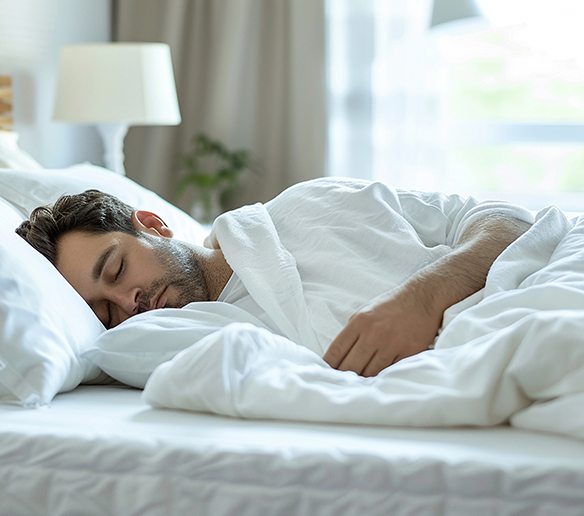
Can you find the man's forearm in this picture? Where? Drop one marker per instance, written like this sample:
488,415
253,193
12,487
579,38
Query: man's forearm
464,271
405,321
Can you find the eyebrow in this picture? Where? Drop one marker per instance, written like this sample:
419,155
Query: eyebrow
100,264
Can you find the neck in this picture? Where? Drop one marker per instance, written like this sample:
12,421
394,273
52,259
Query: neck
215,269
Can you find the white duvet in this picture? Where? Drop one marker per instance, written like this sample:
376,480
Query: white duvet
513,352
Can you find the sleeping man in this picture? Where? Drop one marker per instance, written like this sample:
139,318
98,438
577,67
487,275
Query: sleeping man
356,271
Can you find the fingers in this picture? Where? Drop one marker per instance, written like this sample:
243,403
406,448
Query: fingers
350,351
357,358
363,346
340,347
372,367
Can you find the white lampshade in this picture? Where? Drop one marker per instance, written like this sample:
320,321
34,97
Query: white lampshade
128,83
115,85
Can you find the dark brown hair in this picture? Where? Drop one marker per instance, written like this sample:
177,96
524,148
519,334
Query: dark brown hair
91,211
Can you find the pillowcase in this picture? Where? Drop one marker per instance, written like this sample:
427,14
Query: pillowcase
12,156
11,218
44,324
27,189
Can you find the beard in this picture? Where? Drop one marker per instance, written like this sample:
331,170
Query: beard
183,273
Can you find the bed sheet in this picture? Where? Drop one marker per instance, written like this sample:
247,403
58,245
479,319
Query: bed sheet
102,450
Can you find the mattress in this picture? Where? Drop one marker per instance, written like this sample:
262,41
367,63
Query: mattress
102,450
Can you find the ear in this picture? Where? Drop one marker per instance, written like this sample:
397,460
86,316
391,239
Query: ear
150,223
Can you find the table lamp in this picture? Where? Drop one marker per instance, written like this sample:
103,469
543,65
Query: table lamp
115,85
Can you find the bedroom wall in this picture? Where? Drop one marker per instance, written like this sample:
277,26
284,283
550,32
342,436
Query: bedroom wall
31,34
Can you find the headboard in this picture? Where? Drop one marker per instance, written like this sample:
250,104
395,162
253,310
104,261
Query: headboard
5,103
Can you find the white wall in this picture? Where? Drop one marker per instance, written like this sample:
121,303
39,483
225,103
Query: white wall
31,34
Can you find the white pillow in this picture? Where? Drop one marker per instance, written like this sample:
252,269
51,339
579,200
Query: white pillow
44,324
11,218
27,189
12,156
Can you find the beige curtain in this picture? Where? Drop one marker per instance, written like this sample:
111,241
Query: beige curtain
250,73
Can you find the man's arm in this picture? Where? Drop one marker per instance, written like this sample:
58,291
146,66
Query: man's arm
406,320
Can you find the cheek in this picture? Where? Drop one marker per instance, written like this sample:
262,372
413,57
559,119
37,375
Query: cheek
147,263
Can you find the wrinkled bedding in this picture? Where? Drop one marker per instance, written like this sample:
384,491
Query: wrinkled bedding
511,353
517,356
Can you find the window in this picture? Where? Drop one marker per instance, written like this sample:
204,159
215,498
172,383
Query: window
488,109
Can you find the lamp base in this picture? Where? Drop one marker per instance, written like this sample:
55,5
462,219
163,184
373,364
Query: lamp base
112,136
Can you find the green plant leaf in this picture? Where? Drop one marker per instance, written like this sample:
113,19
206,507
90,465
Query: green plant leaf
210,165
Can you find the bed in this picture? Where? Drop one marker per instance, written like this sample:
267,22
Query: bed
73,440
102,450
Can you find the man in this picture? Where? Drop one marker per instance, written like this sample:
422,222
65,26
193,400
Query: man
362,271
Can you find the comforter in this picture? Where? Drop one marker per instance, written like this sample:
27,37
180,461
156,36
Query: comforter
512,353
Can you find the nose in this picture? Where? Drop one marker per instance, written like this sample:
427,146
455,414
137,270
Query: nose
126,301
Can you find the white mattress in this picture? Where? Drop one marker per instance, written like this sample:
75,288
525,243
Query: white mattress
101,450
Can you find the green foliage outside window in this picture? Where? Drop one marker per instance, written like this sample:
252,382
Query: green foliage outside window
498,76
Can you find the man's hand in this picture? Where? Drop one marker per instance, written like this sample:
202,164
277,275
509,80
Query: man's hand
406,321
389,328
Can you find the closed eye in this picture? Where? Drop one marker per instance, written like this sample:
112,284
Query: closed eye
120,270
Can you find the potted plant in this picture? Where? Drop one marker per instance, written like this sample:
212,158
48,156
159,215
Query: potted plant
211,170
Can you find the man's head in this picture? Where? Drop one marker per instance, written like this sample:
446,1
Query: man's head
121,261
